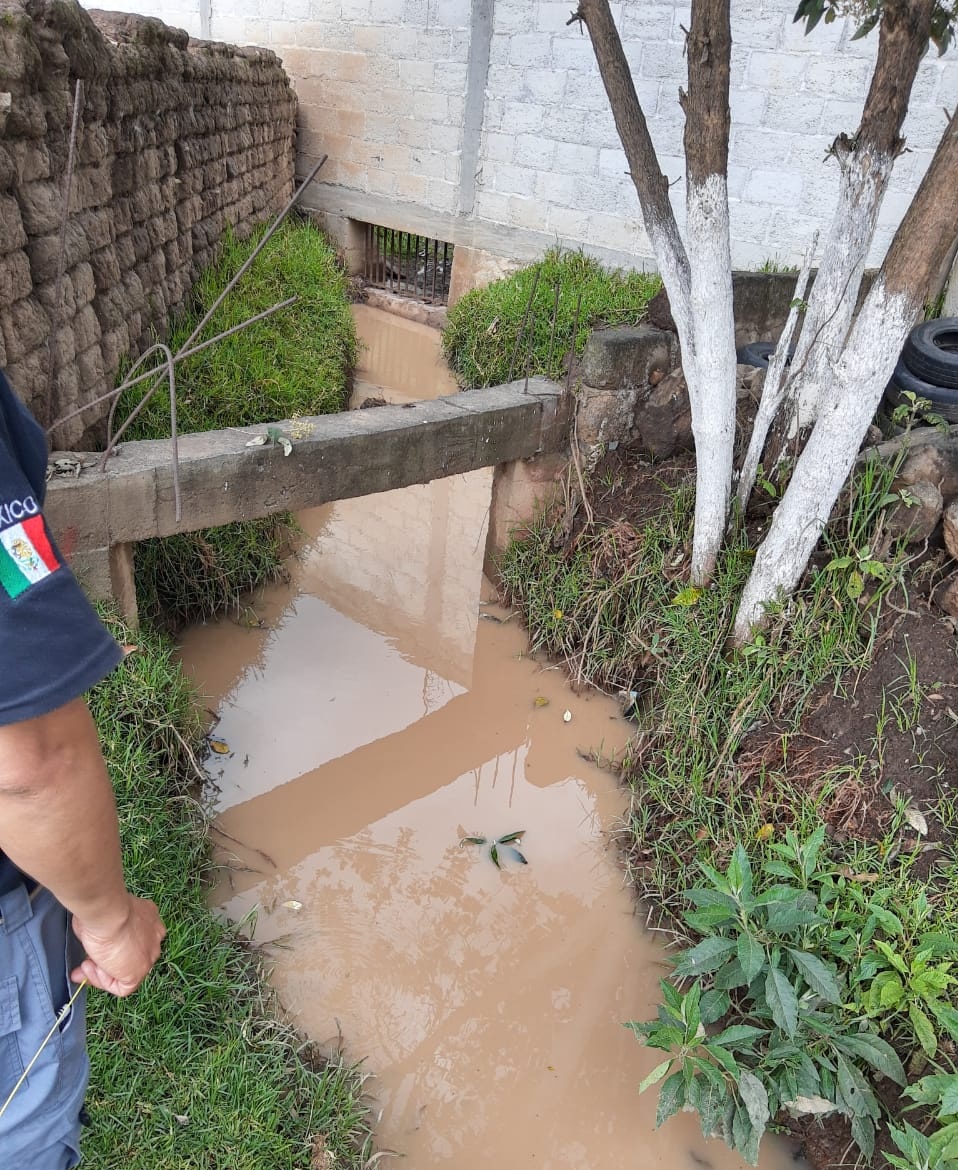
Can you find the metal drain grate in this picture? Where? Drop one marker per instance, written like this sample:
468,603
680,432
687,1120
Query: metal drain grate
407,264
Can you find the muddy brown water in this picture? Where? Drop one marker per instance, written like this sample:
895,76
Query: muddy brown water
379,708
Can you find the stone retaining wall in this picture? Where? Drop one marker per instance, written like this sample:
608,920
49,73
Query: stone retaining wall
176,141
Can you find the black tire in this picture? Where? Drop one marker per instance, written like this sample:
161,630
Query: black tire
944,400
931,352
758,354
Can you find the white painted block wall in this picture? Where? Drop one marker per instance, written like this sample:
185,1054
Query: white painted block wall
383,88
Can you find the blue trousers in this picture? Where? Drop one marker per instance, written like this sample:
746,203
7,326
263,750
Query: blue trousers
40,1128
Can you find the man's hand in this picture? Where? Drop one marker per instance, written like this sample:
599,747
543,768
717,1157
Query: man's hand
121,956
58,824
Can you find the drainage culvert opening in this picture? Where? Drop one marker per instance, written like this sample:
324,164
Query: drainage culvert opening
407,264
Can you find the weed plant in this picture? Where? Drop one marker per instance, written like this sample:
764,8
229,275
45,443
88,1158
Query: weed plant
297,362
480,341
195,1071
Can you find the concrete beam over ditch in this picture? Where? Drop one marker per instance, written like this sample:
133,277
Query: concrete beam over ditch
334,457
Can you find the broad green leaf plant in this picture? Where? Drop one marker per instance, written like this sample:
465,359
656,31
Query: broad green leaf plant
789,1002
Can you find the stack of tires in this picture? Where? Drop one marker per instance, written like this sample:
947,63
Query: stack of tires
928,367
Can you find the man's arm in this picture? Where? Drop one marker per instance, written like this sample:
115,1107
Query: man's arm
58,823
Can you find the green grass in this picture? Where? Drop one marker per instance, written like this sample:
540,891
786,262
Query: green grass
297,362
616,607
715,764
194,1072
480,339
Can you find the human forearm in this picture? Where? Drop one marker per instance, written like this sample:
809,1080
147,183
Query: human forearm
57,813
58,823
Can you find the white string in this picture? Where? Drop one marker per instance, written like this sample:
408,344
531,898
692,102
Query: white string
64,1011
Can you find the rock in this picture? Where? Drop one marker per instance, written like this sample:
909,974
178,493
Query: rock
950,527
604,415
947,597
625,357
658,312
749,382
916,518
663,418
936,462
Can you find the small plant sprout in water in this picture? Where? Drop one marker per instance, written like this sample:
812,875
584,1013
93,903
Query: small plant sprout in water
499,847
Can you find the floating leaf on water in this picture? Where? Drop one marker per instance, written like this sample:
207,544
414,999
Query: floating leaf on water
687,597
566,716
494,854
517,855
510,837
258,441
293,905
917,821
220,746
541,701
472,841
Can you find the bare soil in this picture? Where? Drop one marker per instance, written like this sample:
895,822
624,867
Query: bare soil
915,757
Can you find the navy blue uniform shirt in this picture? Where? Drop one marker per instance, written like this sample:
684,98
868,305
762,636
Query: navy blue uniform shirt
53,647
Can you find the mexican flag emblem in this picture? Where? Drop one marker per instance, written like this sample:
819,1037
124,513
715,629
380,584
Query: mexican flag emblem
26,556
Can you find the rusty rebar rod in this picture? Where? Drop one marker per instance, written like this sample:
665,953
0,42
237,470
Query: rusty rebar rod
525,318
112,440
177,358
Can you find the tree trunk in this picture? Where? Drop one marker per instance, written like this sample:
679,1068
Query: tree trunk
866,162
774,386
889,312
652,187
711,378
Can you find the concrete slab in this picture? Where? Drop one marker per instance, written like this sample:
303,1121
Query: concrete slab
334,457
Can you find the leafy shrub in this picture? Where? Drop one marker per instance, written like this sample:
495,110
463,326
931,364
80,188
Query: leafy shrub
792,964
485,325
939,1149
298,361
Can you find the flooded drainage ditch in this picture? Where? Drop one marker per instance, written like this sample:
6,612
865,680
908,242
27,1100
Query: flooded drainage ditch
378,709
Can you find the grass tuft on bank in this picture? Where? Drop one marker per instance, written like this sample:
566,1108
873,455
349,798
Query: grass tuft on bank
297,362
196,1071
480,341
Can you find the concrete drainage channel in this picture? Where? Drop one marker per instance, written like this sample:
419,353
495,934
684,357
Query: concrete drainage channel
378,710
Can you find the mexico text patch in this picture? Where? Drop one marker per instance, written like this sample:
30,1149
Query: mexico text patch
26,556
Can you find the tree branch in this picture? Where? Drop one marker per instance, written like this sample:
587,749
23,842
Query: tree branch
651,185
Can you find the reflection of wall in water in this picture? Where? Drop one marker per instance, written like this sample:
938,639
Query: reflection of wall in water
409,564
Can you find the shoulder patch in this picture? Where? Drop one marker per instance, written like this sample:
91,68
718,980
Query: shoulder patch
26,556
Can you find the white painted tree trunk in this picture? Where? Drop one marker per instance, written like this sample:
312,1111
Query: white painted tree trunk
864,179
710,369
774,387
823,467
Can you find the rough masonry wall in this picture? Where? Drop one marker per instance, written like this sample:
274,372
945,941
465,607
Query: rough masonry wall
175,142
386,87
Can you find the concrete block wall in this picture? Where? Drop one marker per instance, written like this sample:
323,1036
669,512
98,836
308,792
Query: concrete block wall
486,124
556,161
175,142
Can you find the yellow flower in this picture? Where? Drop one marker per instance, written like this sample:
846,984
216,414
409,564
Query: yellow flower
765,833
557,614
